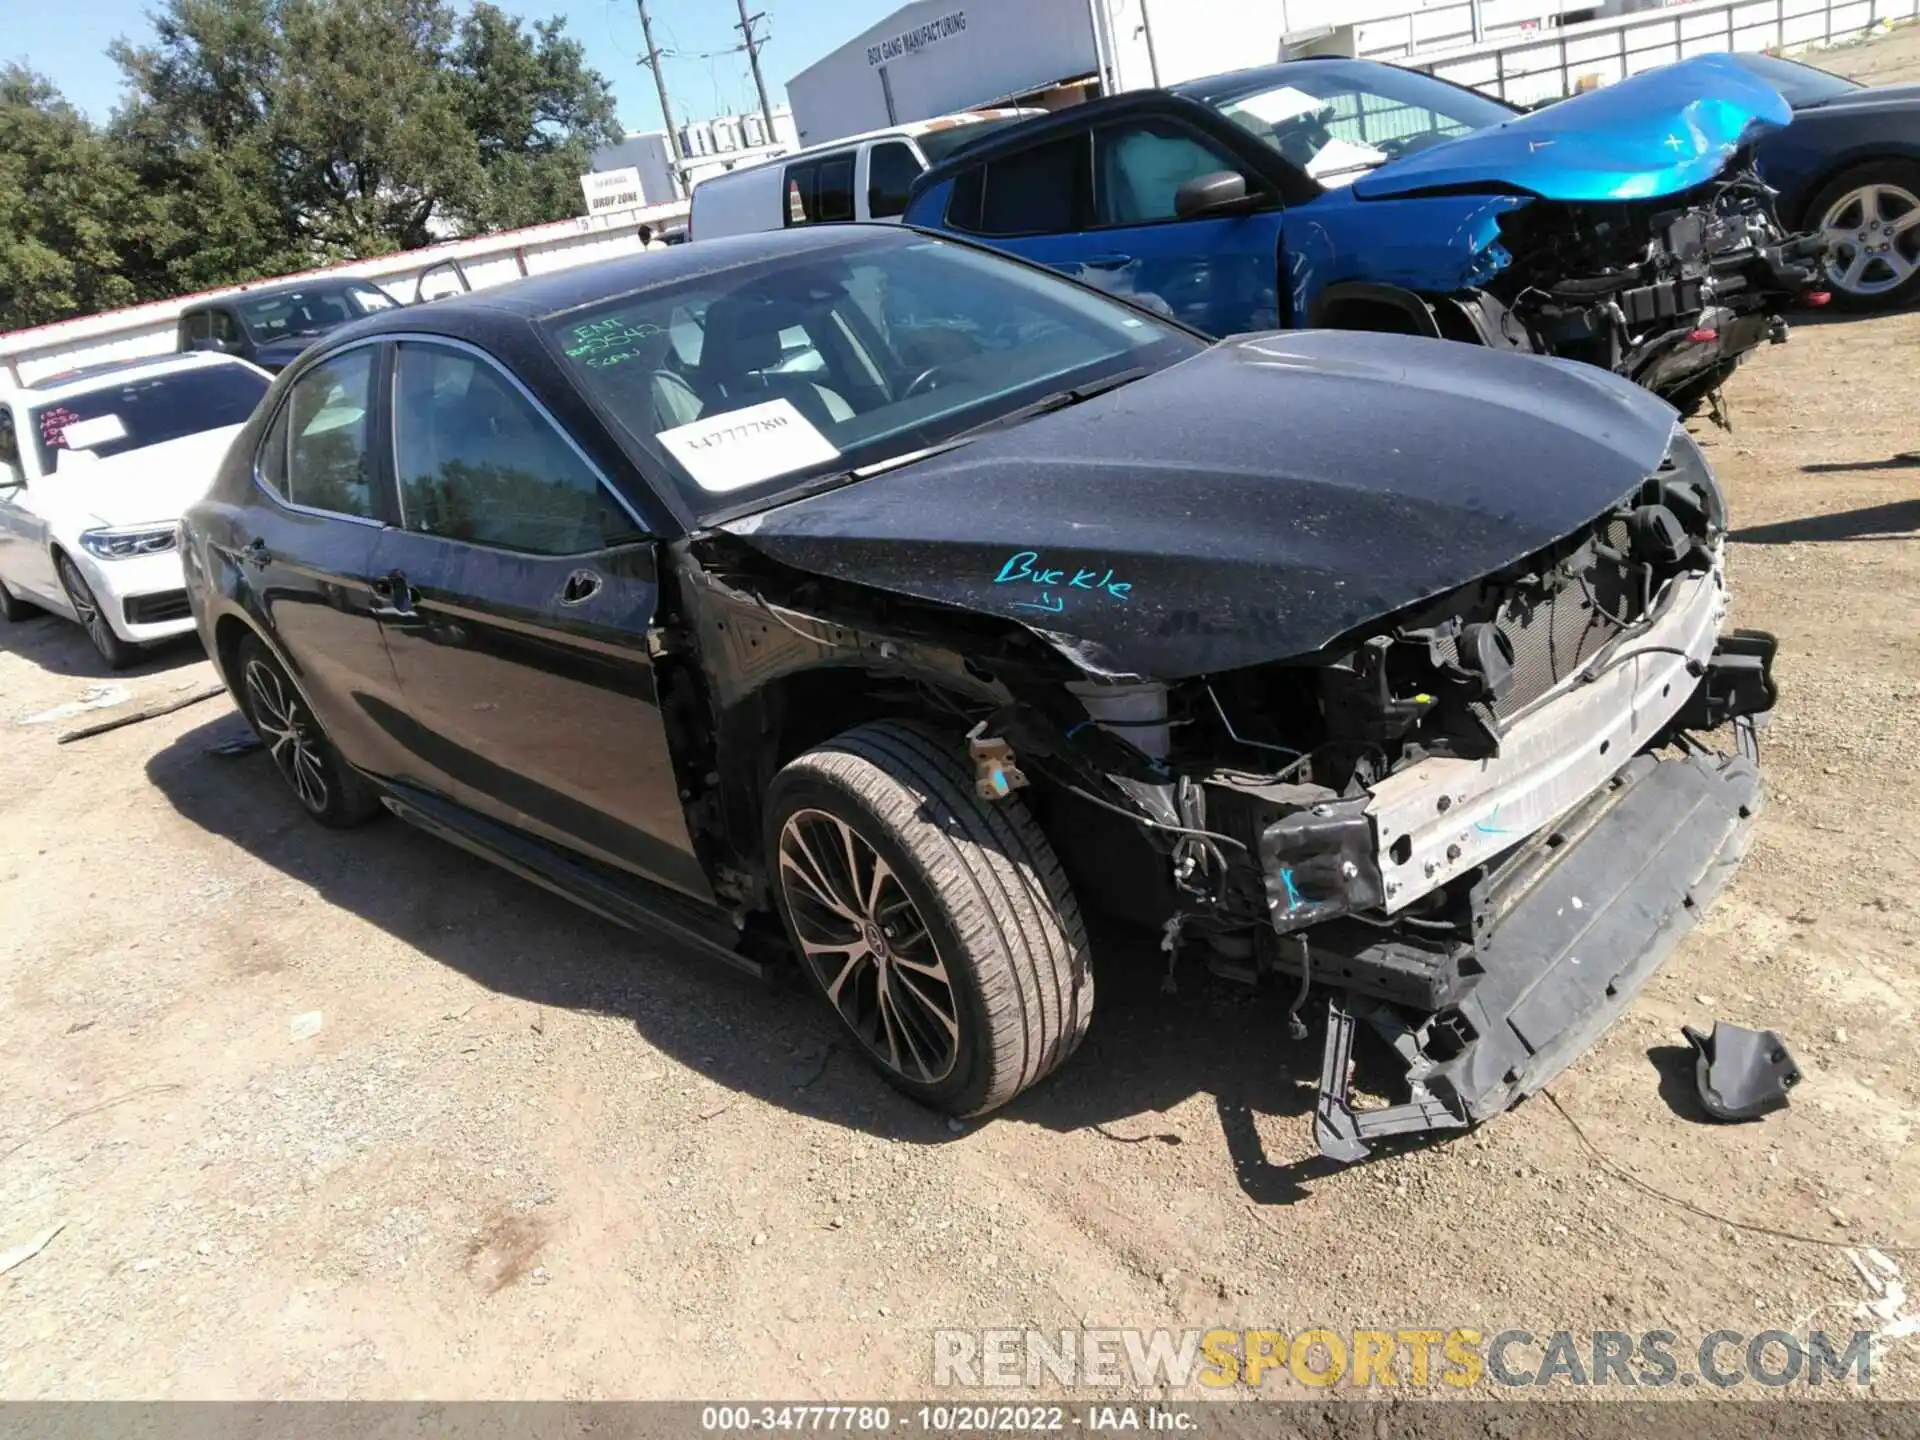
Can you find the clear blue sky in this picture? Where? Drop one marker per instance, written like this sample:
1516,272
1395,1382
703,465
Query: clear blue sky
72,50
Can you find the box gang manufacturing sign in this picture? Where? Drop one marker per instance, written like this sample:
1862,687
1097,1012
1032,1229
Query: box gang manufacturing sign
909,42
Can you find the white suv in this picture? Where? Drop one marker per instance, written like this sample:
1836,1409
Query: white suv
95,468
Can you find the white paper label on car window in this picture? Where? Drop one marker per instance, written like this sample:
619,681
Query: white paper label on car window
1341,162
101,430
1273,106
743,447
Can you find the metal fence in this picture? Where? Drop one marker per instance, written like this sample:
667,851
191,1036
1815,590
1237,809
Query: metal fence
1598,52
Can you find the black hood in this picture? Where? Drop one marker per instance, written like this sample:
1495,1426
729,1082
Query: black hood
1250,504
1872,97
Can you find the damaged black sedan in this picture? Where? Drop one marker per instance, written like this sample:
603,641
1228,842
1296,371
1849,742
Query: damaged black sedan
872,601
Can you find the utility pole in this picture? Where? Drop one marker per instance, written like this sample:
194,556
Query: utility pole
652,62
745,27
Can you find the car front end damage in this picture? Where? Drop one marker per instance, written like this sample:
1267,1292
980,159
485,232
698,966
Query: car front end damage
1415,712
1671,292
1481,825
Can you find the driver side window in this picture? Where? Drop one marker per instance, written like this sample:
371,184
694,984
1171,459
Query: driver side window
1139,168
476,461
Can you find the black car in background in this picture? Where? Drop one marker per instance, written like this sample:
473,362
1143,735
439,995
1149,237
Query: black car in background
1849,166
916,602
273,324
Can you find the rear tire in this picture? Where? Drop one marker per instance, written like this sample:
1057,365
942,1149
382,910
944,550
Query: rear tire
1852,204
939,926
119,654
328,789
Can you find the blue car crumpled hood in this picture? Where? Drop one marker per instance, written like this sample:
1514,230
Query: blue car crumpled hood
1656,133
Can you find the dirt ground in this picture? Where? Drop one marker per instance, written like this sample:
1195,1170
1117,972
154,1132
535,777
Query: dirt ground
527,1154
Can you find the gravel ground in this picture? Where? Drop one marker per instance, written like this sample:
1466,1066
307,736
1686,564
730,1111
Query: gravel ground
526,1154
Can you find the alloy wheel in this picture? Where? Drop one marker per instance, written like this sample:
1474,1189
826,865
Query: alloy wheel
866,943
1873,239
281,723
87,608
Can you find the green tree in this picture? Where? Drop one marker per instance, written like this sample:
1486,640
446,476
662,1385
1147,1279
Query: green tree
295,132
69,206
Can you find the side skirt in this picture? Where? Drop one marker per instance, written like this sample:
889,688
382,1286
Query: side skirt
625,900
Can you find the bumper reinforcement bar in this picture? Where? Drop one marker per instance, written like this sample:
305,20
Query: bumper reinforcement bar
1639,864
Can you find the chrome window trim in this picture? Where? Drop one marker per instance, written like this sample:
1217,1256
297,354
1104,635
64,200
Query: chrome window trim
409,337
285,400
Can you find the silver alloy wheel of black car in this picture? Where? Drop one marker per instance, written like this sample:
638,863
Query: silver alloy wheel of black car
116,652
283,725
1873,239
868,946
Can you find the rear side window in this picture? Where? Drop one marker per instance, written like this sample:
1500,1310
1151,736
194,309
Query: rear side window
478,462
892,167
319,451
195,327
1042,191
820,191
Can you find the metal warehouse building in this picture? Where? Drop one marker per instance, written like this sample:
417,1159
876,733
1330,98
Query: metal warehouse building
936,56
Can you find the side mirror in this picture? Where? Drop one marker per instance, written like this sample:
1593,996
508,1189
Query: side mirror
1222,192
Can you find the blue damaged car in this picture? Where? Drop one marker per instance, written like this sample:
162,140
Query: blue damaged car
1625,227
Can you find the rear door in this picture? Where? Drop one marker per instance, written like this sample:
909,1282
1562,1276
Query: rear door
819,190
519,591
307,549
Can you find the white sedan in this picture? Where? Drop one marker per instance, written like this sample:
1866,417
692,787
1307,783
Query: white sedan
95,468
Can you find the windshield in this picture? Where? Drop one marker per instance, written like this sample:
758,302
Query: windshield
1801,85
1337,120
293,313
746,383
147,411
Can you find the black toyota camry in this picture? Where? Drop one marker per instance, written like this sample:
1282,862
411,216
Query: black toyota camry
860,600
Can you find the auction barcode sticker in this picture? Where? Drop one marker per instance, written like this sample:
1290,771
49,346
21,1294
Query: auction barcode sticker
743,447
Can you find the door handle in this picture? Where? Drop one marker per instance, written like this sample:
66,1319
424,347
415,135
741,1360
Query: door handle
581,586
1107,262
394,595
257,553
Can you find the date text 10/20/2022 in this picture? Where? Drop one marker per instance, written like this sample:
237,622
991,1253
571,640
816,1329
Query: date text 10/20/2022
962,1419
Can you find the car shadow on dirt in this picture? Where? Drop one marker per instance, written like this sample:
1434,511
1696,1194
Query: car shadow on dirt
1897,520
59,646
1146,1053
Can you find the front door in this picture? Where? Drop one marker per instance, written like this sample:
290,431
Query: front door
518,593
26,557
1218,274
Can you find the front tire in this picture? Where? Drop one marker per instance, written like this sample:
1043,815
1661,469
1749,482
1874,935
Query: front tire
12,608
118,653
939,926
1871,218
328,789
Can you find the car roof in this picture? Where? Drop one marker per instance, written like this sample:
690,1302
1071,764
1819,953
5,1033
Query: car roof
86,377
1074,117
287,287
